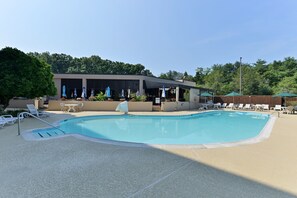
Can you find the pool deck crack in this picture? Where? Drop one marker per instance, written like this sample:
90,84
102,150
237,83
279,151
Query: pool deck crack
160,180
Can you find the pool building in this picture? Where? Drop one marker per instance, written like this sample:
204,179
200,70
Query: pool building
143,85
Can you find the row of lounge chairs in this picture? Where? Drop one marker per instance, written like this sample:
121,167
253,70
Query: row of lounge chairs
258,107
9,119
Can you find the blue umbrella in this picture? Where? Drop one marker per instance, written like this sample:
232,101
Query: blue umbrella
107,92
64,91
75,93
123,93
163,93
83,93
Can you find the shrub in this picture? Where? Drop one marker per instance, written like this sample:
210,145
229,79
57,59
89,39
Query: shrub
138,98
100,96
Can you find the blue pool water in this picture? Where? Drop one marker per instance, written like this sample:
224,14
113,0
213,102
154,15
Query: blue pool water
202,128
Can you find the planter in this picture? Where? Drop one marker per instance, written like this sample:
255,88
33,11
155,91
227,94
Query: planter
54,105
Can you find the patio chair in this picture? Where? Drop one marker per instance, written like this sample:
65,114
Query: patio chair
224,105
9,119
247,106
62,106
289,109
231,105
277,108
2,122
35,112
258,107
80,106
217,105
240,106
265,107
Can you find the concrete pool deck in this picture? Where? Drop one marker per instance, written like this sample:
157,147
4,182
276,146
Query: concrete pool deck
71,167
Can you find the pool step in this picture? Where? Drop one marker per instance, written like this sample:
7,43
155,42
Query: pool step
48,133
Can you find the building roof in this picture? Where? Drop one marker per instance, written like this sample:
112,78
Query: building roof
149,82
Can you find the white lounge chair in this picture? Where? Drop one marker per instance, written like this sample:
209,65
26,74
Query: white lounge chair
217,105
258,107
240,106
224,105
265,106
35,112
277,108
247,106
231,105
2,122
9,119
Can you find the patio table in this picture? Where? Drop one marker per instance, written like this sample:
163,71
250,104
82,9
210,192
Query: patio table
71,106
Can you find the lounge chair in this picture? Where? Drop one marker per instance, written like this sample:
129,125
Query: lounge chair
217,105
258,107
35,112
247,106
9,119
289,109
240,106
265,106
277,108
2,122
231,105
224,105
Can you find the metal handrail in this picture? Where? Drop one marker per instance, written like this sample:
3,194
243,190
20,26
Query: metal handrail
27,113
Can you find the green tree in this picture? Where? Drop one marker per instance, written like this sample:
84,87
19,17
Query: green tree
172,75
199,76
288,84
23,75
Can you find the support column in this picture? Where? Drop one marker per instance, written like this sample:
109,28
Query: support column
177,94
141,90
84,83
58,86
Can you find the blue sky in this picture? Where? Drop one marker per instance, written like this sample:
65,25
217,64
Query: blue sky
162,35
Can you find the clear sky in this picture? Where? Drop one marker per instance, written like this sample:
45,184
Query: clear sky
162,35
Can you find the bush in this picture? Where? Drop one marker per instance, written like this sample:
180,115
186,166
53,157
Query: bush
100,97
135,98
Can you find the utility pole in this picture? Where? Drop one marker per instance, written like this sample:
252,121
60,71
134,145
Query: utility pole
240,75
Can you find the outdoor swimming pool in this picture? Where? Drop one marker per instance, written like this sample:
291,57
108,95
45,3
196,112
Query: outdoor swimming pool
201,128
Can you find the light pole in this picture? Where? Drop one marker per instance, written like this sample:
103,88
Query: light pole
240,75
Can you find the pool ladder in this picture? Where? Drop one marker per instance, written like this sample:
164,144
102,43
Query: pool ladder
29,114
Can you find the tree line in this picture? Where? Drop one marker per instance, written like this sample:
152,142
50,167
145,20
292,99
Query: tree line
260,78
66,64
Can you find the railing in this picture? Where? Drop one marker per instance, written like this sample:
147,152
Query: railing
27,113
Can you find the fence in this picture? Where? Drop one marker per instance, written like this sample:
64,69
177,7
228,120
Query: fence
263,99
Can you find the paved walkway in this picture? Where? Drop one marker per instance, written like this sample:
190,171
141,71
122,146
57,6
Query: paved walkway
71,167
